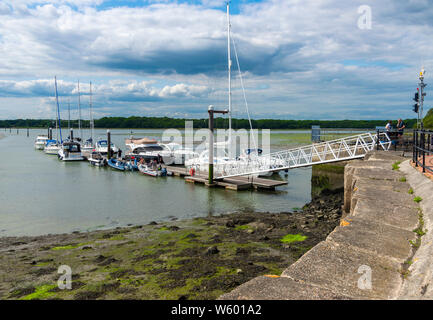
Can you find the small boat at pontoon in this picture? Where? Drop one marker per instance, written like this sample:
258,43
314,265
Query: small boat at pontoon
87,146
40,142
52,147
116,164
132,164
96,159
70,151
149,170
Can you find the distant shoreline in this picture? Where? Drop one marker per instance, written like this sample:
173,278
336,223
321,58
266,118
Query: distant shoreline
165,122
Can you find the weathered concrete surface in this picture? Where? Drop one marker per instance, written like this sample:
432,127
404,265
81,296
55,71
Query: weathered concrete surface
367,234
419,282
335,267
282,288
396,216
374,235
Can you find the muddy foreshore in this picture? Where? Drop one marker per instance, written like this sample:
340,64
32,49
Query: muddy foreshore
193,259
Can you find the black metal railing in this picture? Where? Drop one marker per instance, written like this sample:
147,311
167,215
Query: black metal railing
422,148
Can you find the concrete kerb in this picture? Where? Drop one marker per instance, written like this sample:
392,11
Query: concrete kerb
419,283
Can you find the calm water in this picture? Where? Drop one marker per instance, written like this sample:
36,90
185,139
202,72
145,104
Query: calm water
40,195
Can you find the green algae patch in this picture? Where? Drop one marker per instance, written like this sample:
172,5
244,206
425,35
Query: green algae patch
291,238
395,165
41,292
68,247
244,227
417,199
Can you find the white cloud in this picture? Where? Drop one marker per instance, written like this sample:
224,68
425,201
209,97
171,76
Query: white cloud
308,54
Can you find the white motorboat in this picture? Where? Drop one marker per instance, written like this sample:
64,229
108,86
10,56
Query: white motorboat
149,149
52,147
88,146
40,142
70,151
96,159
102,147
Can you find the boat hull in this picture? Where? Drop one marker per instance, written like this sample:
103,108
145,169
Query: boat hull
52,151
153,173
97,163
69,157
115,165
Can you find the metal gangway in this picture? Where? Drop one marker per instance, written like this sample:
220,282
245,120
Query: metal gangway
348,148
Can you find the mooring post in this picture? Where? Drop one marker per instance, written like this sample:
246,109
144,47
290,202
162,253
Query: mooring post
108,144
211,140
17,131
27,132
71,135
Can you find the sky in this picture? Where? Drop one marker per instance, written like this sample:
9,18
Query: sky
299,59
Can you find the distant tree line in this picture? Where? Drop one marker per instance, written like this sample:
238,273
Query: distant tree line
165,122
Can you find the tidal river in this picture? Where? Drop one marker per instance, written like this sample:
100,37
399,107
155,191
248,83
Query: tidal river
41,195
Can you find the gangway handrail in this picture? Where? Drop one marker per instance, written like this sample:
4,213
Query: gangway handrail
347,148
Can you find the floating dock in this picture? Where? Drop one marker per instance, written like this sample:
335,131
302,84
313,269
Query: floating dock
233,183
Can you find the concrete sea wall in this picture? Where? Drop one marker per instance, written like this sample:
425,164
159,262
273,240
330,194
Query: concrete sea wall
379,251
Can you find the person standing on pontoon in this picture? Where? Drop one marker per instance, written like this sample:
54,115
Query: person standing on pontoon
400,130
388,126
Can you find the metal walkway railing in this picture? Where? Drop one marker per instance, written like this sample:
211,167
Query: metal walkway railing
347,148
423,149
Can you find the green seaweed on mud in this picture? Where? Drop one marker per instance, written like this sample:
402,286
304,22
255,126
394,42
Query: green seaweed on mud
41,292
243,227
291,238
71,246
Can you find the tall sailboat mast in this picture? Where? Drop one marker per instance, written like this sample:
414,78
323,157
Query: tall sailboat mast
79,111
229,71
58,110
92,125
69,114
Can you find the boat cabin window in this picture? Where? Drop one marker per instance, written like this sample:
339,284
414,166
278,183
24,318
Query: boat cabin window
72,147
148,149
104,143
